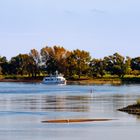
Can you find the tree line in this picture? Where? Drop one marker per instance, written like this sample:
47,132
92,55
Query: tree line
70,63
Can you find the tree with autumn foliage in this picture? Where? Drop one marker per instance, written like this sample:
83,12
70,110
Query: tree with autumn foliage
54,58
71,63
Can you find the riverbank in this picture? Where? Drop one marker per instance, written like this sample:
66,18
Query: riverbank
95,81
82,81
20,80
75,81
131,109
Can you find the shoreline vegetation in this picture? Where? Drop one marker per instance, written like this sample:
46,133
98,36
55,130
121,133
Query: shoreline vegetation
77,66
83,80
132,109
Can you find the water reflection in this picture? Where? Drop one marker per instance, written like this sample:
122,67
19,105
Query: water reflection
46,103
64,103
24,106
67,103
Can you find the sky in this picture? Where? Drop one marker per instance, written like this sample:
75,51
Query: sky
101,27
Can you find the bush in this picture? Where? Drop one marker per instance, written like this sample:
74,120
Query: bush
138,101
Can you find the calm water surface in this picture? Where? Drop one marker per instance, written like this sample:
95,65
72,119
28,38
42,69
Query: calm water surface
24,106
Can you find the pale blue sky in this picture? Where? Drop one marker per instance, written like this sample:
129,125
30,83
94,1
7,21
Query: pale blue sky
101,27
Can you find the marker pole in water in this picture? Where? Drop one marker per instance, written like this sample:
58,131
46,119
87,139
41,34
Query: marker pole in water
91,92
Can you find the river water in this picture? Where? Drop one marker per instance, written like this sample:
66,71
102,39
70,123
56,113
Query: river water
23,107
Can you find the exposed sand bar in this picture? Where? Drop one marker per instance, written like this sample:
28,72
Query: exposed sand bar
75,120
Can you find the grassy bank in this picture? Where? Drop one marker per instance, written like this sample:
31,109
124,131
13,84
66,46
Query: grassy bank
96,81
109,79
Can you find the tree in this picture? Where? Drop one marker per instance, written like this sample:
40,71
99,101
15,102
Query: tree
97,67
70,65
78,62
34,54
4,66
22,64
135,63
128,65
15,65
54,58
115,64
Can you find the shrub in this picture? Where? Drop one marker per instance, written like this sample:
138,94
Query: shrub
138,101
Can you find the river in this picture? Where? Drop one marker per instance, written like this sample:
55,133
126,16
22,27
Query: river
23,107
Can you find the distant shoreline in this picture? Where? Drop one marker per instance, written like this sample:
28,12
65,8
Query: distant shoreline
19,80
90,81
83,82
95,81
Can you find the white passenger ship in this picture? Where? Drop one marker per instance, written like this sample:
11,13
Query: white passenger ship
54,79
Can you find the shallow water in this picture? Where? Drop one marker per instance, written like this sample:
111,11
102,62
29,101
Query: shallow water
23,107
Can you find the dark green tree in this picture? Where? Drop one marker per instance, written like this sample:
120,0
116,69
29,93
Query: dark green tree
4,65
97,67
70,65
115,64
78,62
135,64
22,64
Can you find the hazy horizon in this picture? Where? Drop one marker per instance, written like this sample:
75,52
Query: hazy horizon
99,27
